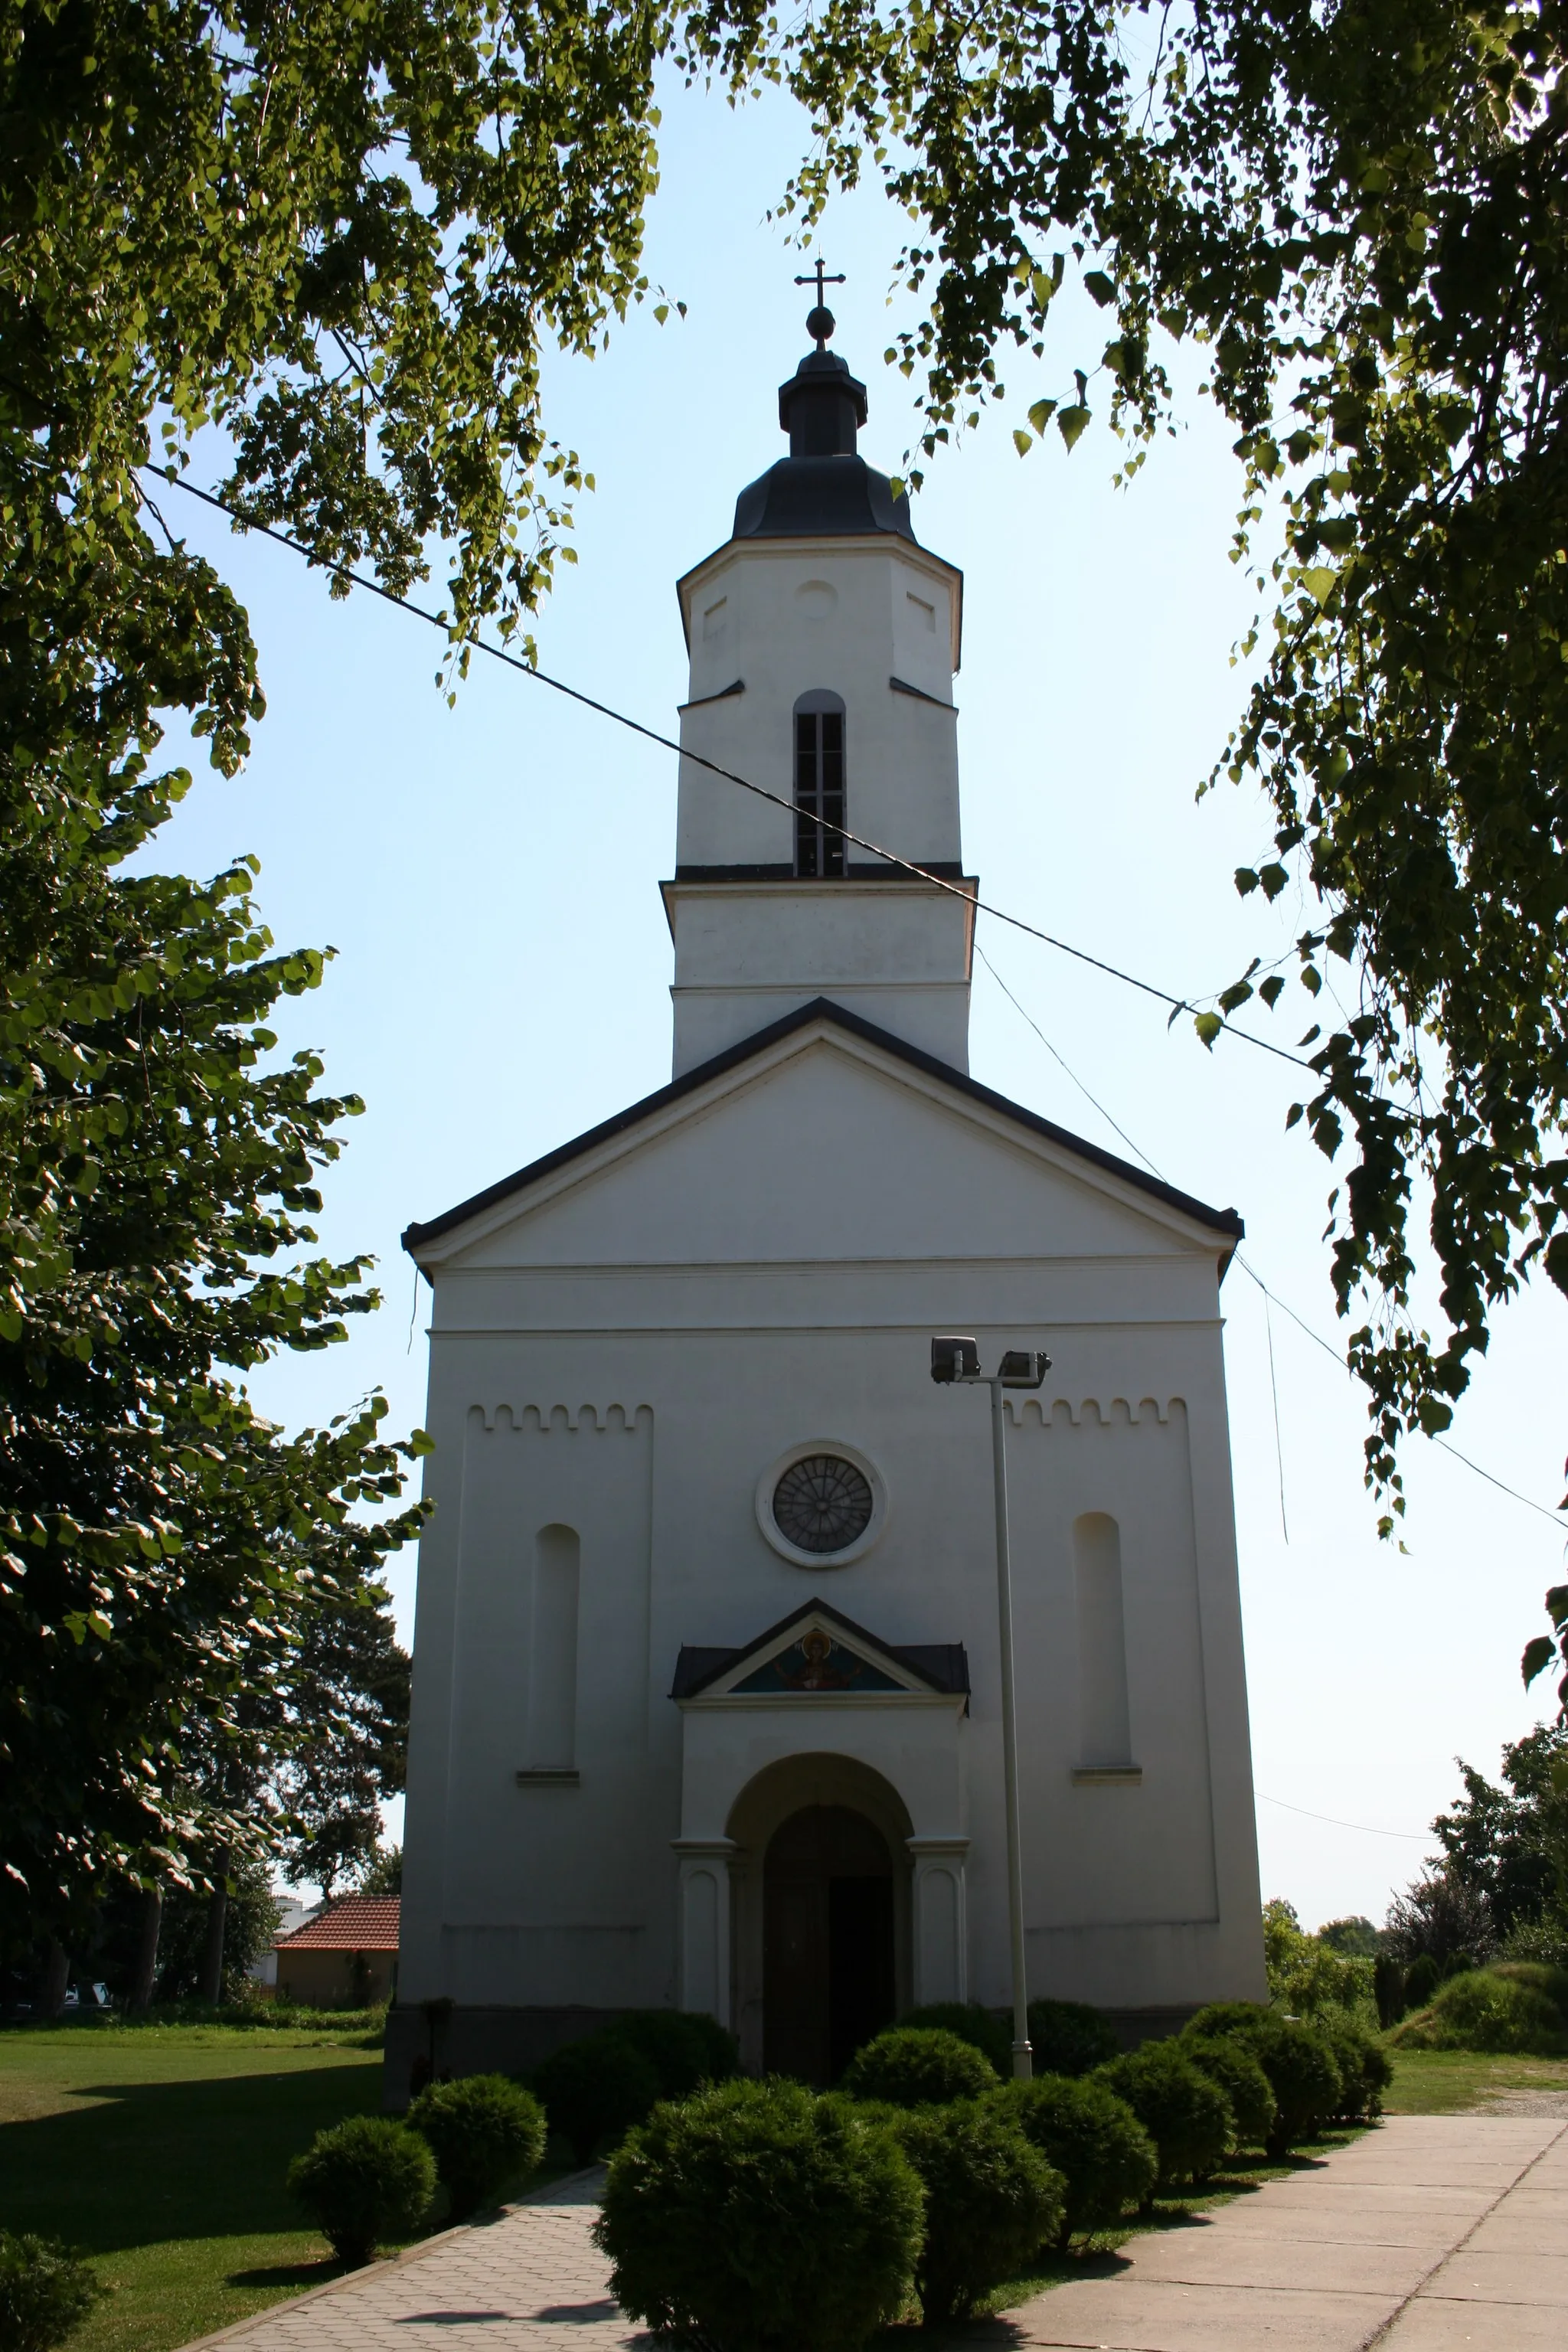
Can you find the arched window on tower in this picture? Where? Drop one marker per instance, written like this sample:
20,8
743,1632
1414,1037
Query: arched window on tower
818,785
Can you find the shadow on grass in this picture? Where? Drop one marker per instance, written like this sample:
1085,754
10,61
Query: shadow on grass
297,2277
150,2162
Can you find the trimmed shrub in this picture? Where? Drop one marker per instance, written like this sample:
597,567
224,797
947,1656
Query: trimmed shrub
595,2089
1092,2139
757,2218
45,2293
1303,2072
1227,2017
992,2201
1483,2011
1226,2059
1069,2037
1365,2068
682,2046
1388,1988
361,2182
483,2131
984,2026
1186,2116
1422,1978
917,2066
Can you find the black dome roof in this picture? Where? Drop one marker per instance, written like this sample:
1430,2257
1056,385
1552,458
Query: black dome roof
823,487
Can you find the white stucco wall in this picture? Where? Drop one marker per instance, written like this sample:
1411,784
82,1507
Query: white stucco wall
626,1348
781,619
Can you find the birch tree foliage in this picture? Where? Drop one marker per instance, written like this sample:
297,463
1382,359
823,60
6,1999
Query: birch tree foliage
339,235
1354,211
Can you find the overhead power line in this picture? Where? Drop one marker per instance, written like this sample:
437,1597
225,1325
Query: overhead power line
668,743
1416,1837
891,858
1272,1296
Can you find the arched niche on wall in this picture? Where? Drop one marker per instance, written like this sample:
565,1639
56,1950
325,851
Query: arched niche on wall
552,1650
1105,1730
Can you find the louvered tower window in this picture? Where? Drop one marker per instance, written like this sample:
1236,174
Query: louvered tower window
818,785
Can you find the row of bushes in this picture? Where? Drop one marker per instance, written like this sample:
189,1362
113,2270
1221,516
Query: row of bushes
754,2216
371,2179
1511,2006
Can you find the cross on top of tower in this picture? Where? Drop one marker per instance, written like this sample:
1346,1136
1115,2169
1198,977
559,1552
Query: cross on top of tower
820,321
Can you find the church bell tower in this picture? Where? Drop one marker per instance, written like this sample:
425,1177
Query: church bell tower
824,640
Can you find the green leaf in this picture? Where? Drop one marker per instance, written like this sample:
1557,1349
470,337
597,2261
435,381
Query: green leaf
1023,442
1320,583
1070,423
1539,1655
1041,413
1208,1026
1100,286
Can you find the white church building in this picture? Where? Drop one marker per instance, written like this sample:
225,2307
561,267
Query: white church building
706,1675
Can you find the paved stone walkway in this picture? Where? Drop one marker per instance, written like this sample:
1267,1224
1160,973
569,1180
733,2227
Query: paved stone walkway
1431,2234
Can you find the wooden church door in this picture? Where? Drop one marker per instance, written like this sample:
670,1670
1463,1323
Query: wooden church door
827,1942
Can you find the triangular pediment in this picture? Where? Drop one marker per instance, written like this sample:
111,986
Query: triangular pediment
816,1652
729,1165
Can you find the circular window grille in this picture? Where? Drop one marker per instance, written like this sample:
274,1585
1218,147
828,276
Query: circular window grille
823,1504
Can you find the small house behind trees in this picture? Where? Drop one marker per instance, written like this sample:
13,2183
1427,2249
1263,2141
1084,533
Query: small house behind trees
345,1958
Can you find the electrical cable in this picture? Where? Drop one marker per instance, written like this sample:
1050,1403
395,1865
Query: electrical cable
1271,1297
668,743
1416,1837
998,914
1336,1823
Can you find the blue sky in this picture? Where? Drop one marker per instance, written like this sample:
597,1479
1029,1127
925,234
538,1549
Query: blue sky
487,877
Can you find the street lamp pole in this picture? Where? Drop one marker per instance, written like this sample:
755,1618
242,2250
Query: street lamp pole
958,1360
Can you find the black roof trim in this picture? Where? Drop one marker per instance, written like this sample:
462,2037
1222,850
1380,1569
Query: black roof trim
737,686
942,1667
822,1008
943,869
901,685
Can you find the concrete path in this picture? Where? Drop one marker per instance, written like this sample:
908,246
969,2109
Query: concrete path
1433,2232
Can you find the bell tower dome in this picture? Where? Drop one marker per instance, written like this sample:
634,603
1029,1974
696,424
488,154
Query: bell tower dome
824,641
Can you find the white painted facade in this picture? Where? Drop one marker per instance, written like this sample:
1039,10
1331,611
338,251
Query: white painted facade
632,1341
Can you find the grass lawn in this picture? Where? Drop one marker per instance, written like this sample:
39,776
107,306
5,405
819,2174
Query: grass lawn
1444,2082
161,2150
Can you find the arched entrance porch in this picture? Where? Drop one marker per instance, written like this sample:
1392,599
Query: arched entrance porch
820,1881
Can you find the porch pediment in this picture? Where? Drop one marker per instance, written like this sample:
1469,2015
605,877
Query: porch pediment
817,1654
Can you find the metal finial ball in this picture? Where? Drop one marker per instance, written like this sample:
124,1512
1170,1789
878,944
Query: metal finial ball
820,323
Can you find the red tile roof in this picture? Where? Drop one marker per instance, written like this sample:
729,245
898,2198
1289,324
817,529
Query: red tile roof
360,1923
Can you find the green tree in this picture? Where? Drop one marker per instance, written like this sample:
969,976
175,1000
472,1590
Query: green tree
1309,1975
345,1746
1353,217
331,240
1507,1845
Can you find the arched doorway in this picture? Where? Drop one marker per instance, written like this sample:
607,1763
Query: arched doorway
828,1980
874,1845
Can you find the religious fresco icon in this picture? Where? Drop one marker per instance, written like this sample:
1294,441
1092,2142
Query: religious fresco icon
817,1663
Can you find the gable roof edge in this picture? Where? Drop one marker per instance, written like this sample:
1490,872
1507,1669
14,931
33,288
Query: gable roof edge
1226,1221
